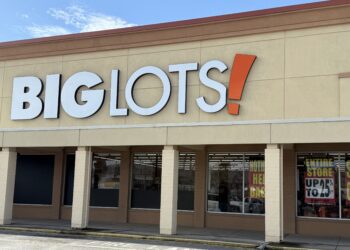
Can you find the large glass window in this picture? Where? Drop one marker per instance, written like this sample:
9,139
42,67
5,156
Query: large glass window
323,185
105,179
236,183
146,180
254,183
187,165
105,174
34,179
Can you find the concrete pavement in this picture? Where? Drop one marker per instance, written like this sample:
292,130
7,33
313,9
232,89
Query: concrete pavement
204,237
32,242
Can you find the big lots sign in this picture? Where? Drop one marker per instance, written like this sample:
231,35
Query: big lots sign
27,103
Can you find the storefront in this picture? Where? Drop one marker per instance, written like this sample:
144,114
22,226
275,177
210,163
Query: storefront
234,122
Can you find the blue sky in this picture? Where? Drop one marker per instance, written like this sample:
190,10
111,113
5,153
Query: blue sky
21,19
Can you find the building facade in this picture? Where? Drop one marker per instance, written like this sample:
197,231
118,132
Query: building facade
237,122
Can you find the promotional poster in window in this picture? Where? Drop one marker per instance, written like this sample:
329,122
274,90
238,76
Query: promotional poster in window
319,181
256,179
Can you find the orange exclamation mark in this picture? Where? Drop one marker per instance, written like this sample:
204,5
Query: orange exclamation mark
239,73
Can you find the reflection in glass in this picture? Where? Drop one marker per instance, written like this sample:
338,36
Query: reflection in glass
225,182
236,183
318,184
254,183
105,180
146,180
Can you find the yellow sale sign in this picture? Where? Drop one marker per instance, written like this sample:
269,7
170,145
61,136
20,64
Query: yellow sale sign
256,179
319,181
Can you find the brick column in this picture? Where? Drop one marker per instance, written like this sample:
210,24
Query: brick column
273,194
168,202
8,159
81,190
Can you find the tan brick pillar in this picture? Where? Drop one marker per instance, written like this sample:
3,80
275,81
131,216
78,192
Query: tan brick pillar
8,159
81,190
168,202
273,194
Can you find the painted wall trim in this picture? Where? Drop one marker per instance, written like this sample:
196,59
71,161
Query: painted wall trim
192,124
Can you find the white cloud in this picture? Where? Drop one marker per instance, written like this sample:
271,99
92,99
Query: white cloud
77,19
86,21
46,30
102,22
73,15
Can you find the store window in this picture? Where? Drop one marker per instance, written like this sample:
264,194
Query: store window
254,183
323,185
187,165
69,180
236,183
34,179
146,180
105,180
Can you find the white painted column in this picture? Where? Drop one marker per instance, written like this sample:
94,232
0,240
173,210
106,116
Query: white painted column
8,159
168,202
273,194
81,189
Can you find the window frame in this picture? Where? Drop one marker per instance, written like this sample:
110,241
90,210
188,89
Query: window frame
92,157
131,164
338,152
95,151
194,180
243,182
55,165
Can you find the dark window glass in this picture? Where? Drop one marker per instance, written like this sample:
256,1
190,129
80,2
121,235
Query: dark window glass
146,180
317,184
105,179
69,180
187,165
236,183
34,179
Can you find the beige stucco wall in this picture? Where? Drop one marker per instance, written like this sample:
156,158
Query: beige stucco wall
293,86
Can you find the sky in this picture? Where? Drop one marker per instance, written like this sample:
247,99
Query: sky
27,19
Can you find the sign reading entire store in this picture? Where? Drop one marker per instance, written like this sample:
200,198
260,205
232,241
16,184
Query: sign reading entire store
320,181
27,103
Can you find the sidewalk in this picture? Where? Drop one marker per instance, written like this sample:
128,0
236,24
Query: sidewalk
214,237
